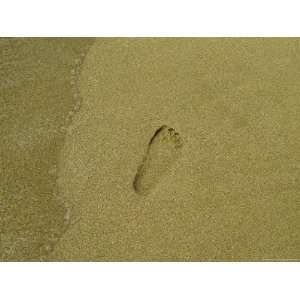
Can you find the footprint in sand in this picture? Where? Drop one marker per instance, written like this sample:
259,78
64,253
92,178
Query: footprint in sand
163,150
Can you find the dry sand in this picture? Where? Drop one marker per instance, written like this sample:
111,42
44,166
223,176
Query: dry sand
231,194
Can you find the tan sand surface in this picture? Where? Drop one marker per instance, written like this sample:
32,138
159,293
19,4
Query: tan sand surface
234,192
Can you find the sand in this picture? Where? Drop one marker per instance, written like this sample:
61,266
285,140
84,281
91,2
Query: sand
231,194
37,99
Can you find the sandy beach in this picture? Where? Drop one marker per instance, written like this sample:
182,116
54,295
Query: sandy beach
219,182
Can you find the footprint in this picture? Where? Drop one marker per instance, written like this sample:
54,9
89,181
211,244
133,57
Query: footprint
163,150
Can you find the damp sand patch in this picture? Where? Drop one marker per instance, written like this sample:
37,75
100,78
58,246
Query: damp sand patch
37,96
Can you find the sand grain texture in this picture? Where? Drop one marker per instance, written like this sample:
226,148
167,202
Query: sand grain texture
37,99
234,195
77,120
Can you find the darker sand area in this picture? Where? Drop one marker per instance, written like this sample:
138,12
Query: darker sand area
37,98
232,193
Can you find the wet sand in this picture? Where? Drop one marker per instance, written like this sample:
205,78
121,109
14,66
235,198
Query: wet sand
231,194
37,98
